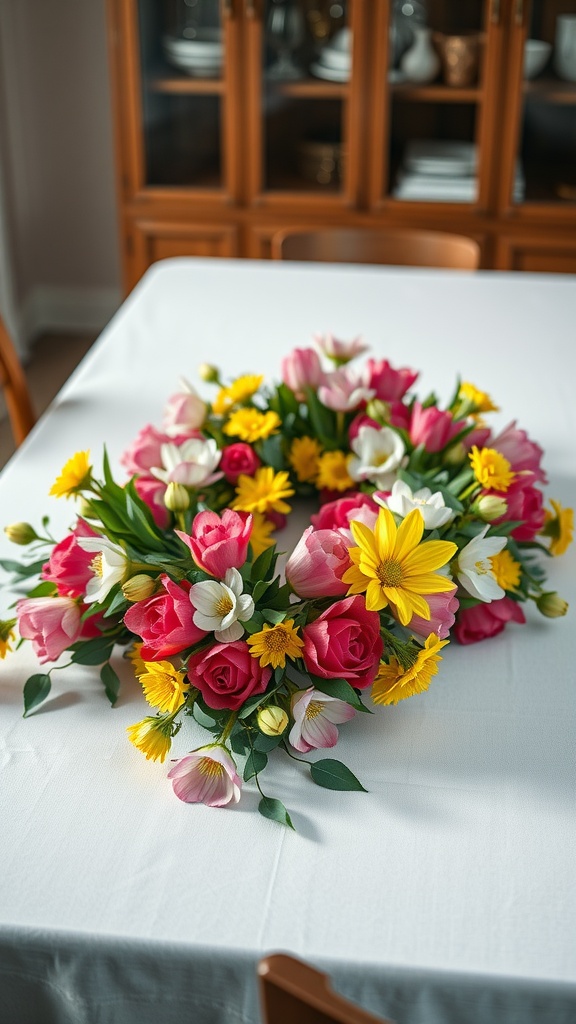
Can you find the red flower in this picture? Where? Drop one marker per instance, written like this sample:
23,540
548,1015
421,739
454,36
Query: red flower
227,674
238,459
69,565
344,643
485,620
164,622
219,543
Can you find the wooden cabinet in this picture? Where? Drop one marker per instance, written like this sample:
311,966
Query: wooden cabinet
237,118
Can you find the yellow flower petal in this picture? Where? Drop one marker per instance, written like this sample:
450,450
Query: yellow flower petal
409,535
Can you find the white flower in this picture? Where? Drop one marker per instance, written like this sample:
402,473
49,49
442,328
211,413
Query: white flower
219,606
378,454
432,507
339,351
109,566
475,568
191,463
316,716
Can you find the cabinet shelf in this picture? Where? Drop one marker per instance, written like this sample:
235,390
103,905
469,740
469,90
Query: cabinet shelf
176,85
435,93
551,90
309,88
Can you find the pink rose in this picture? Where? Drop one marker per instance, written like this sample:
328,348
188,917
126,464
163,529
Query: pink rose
525,505
51,623
151,491
390,385
227,674
443,608
344,642
144,452
184,414
164,622
337,514
317,564
432,427
69,565
219,543
302,369
237,460
485,620
522,453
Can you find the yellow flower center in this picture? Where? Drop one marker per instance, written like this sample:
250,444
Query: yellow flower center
224,605
390,573
207,766
277,640
314,709
96,565
482,568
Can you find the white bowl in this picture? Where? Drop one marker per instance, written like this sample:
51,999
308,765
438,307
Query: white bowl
335,58
208,41
536,54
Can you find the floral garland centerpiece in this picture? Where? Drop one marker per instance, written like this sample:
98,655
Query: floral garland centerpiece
429,525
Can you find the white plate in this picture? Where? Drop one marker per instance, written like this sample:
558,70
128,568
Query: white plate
444,157
330,74
207,41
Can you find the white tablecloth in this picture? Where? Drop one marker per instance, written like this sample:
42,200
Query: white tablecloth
444,894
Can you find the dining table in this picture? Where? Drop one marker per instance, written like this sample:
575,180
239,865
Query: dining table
445,893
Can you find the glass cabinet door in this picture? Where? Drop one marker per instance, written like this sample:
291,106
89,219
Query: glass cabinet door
434,72
182,95
543,78
303,92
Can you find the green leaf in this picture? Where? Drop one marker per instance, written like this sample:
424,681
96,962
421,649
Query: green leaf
239,741
21,569
117,602
92,652
203,719
251,704
332,774
267,743
340,689
273,617
44,589
281,600
275,810
272,454
36,689
262,567
254,625
255,763
111,682
323,420
260,588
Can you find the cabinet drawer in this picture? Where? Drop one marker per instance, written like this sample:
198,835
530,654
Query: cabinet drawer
553,255
151,241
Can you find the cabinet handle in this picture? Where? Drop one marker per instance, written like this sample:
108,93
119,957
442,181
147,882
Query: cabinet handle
519,13
227,9
495,12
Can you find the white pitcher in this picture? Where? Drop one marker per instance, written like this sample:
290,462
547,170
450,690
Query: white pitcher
421,63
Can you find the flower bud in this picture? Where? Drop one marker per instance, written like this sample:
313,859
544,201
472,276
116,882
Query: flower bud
138,588
21,533
378,410
209,373
490,507
272,721
176,498
455,455
552,605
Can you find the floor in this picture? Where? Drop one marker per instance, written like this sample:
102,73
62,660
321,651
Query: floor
53,358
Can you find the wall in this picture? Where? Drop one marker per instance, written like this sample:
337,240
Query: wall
59,168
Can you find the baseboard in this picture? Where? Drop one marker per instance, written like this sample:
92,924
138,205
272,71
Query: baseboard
47,308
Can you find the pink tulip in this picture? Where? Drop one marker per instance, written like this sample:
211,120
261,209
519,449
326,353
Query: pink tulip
443,608
344,391
317,564
432,427
340,351
522,453
237,460
302,369
335,515
344,642
206,776
151,491
486,620
389,384
316,716
219,543
145,450
69,565
185,413
164,622
51,623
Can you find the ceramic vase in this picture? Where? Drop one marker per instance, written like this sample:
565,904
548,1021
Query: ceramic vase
421,63
565,49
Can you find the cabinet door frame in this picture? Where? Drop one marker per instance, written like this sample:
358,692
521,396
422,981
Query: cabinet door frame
127,88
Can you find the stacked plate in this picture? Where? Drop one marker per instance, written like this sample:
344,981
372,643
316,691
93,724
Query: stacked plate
335,60
443,170
201,56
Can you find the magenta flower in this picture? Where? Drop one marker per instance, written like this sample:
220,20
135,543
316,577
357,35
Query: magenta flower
69,565
302,369
337,514
145,450
432,427
227,674
206,776
443,608
525,504
522,453
390,385
165,622
344,391
316,716
51,623
344,642
152,491
219,543
317,564
239,459
486,620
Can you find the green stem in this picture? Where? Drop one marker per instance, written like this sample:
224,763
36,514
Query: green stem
228,727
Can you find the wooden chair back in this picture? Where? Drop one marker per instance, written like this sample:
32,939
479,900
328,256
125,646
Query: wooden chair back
292,992
400,247
15,388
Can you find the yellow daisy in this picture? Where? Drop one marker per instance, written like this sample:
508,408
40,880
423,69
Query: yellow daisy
507,571
252,425
135,659
260,538
491,469
479,399
240,390
393,683
333,472
152,736
303,458
164,686
276,643
559,527
7,636
393,567
74,477
263,492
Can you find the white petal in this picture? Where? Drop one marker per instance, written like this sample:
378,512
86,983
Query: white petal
231,633
245,607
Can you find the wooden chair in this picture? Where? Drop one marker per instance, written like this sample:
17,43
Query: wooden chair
401,247
15,388
292,992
